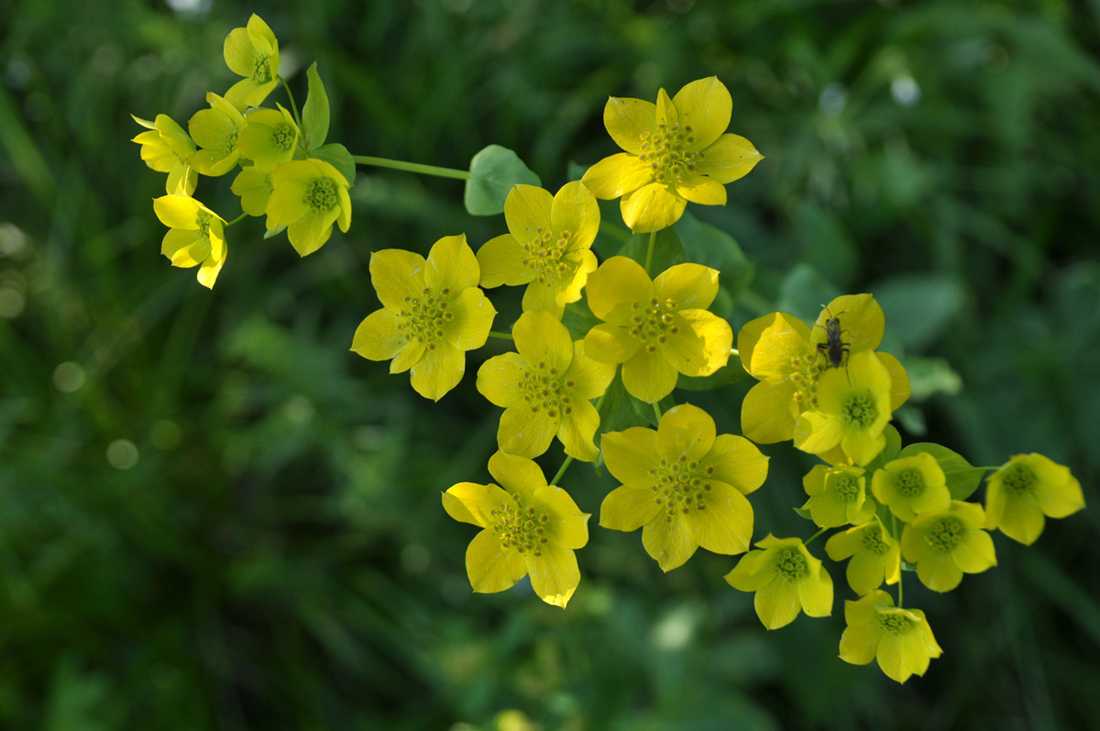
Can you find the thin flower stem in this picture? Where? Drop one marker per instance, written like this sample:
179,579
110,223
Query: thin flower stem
238,218
412,167
814,536
901,593
502,336
901,574
564,466
615,232
649,252
293,106
657,411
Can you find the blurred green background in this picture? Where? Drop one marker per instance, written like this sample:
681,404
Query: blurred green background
212,515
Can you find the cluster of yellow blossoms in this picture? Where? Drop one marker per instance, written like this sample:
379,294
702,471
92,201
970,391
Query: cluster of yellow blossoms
824,387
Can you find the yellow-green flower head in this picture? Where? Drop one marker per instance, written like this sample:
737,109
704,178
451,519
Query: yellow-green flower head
677,150
545,390
853,407
900,639
781,352
657,329
875,554
1024,490
945,545
308,196
529,528
269,137
433,312
547,247
787,580
838,495
684,485
215,131
166,148
196,236
252,52
254,189
912,485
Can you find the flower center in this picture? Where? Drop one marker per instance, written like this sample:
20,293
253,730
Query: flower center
893,623
680,486
946,534
425,317
910,482
847,488
791,564
871,540
261,70
653,323
859,410
804,372
543,254
666,152
203,220
1018,479
520,528
283,137
321,195
544,390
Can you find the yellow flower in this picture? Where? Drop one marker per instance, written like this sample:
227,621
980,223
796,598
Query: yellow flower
787,580
853,407
269,137
215,131
676,151
1025,489
166,148
254,188
196,236
912,485
875,554
783,353
252,52
545,389
529,528
838,495
548,246
945,545
684,485
308,196
432,314
900,639
656,329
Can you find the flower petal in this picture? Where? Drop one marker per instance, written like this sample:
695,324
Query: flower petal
527,211
669,541
451,265
577,429
725,526
379,336
628,121
610,344
777,603
731,157
517,475
689,286
468,502
630,455
590,377
702,190
500,379
685,430
474,315
554,574
765,412
526,432
543,342
628,508
617,175
438,371
705,106
490,566
502,262
737,461
575,210
649,376
397,276
702,344
616,287
651,208
568,526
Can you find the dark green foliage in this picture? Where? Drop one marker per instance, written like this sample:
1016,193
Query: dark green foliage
277,557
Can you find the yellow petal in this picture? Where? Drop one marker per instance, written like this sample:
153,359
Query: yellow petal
575,210
630,455
701,190
438,371
815,432
649,376
737,461
975,553
861,320
209,271
616,287
526,211
468,502
651,208
577,429
397,276
899,379
859,643
617,175
777,603
490,566
669,541
473,319
543,342
666,110
554,574
704,106
777,342
501,261
752,572
525,432
725,525
568,526
311,232
499,379
682,348
938,572
816,592
178,211
517,475
610,344
685,430
378,336
765,413
240,55
409,355
628,120
590,378
180,247
451,265
730,158
628,508
689,286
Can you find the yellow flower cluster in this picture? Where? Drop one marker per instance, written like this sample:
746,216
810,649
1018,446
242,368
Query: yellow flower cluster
635,331
279,175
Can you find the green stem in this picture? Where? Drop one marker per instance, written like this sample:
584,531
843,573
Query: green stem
293,106
657,411
502,336
814,536
412,167
238,218
901,593
564,466
649,252
615,232
735,353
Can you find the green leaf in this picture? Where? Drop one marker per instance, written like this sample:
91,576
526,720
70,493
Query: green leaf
928,376
711,246
803,293
315,113
493,173
645,410
732,372
578,319
616,410
906,566
667,250
274,232
803,513
919,307
962,478
338,156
